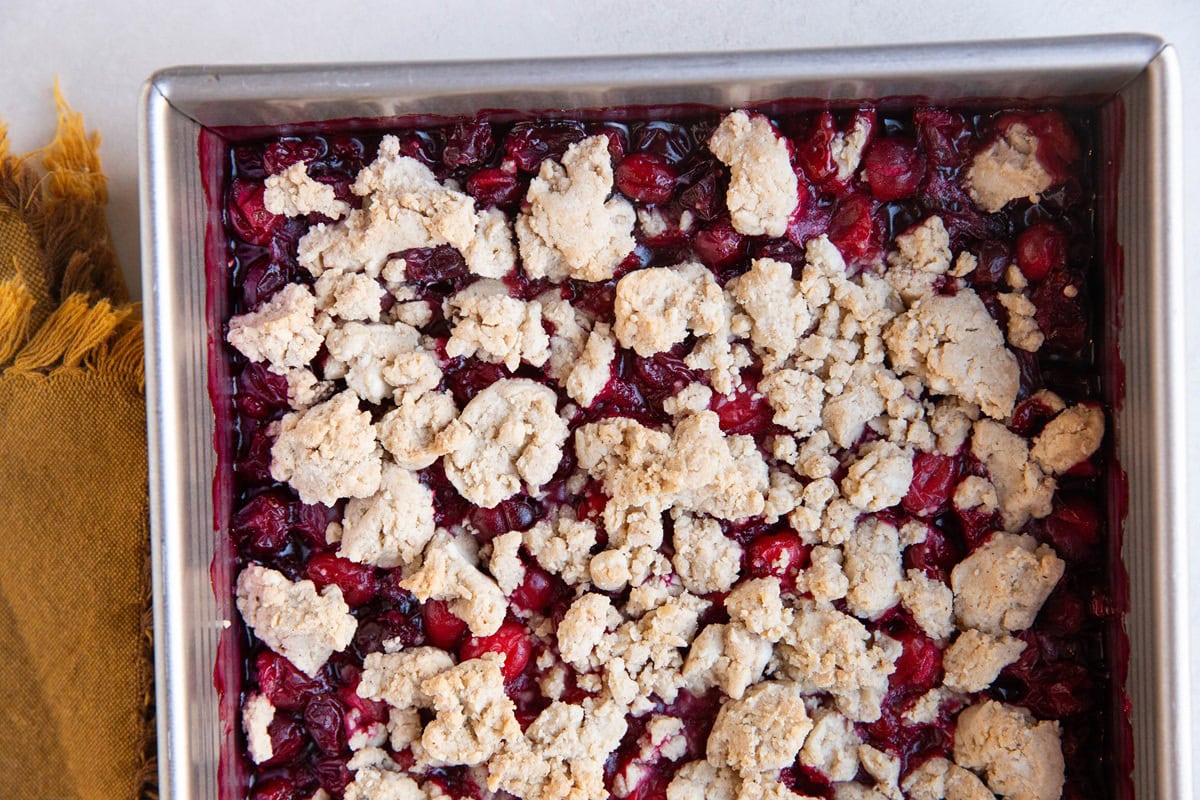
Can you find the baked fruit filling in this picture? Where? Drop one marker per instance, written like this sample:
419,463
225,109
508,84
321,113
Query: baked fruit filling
736,455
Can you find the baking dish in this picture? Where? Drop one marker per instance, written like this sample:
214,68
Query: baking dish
1130,79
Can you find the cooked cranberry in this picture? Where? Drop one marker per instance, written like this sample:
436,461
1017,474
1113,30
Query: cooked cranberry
310,521
261,279
1059,690
421,146
993,258
934,478
535,591
391,625
1030,416
618,138
528,144
944,136
662,374
260,393
468,144
287,740
333,774
323,721
248,161
512,640
247,214
1073,527
814,150
893,168
275,788
442,627
285,686
1060,314
494,187
434,265
920,663
646,177
719,245
811,217
1040,249
780,554
253,463
703,196
743,412
854,230
261,525
935,556
359,713
666,140
283,153
1064,613
517,513
357,581
469,377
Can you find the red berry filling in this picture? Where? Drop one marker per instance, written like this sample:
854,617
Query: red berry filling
911,166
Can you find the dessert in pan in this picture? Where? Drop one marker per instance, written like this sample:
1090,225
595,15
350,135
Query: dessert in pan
693,455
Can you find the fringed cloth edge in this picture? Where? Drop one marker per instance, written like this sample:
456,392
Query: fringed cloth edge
73,314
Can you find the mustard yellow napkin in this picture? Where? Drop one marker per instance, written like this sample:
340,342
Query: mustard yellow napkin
76,672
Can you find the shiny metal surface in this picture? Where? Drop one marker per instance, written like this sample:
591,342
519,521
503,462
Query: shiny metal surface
1140,71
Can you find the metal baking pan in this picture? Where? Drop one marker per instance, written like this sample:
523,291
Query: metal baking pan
1132,80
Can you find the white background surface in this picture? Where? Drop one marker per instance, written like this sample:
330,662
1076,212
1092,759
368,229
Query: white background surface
102,51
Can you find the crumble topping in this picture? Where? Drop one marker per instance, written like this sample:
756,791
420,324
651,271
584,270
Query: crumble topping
1008,169
828,651
871,562
392,527
294,194
727,656
776,307
487,323
921,257
562,754
955,347
284,331
1000,587
257,714
509,435
396,678
762,186
473,715
412,432
930,602
974,660
449,573
832,746
1020,757
705,559
1071,437
591,373
762,731
827,419
656,308
940,779
1023,330
758,606
328,452
404,207
293,619
573,228
349,295
1022,490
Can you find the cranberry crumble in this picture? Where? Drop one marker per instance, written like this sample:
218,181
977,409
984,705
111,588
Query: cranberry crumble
717,455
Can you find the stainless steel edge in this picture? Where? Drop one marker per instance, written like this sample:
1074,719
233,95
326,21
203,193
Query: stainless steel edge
180,460
1152,224
273,95
177,102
